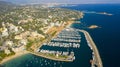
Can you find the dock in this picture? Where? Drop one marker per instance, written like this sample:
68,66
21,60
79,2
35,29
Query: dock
67,38
96,56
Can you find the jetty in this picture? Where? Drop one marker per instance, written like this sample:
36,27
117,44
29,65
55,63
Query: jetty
60,44
55,55
96,56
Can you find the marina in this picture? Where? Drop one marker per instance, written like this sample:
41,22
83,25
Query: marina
58,55
84,54
67,38
59,44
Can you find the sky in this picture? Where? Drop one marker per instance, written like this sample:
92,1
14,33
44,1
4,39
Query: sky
63,1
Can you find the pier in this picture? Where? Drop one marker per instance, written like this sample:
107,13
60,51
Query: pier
67,38
96,57
55,55
60,44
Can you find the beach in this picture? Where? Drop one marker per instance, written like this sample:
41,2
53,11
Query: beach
50,59
14,56
68,24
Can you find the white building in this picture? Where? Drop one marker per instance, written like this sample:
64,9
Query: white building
23,42
7,51
5,32
19,49
9,43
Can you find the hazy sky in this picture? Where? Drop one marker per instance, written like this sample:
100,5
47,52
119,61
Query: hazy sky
64,1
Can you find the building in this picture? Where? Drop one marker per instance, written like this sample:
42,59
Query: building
7,51
18,48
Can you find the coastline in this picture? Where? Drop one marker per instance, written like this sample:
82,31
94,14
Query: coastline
14,56
26,52
51,58
68,24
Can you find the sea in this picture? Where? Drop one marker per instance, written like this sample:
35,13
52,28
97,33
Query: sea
106,38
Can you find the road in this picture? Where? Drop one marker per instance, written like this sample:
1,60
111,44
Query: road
97,60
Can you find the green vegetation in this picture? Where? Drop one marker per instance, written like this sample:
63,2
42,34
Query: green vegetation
21,25
54,56
29,44
11,52
4,55
54,33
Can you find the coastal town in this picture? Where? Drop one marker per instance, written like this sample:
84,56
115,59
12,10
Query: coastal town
36,28
25,28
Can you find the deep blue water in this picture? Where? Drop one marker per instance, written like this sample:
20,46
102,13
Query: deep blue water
107,38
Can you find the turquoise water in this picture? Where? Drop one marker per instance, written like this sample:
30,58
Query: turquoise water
106,39
82,54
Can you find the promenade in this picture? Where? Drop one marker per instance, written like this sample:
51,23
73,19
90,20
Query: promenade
96,60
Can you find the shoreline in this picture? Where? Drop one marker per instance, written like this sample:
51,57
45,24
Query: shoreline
50,58
69,23
13,56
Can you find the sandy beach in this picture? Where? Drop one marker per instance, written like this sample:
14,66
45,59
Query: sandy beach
26,52
14,56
